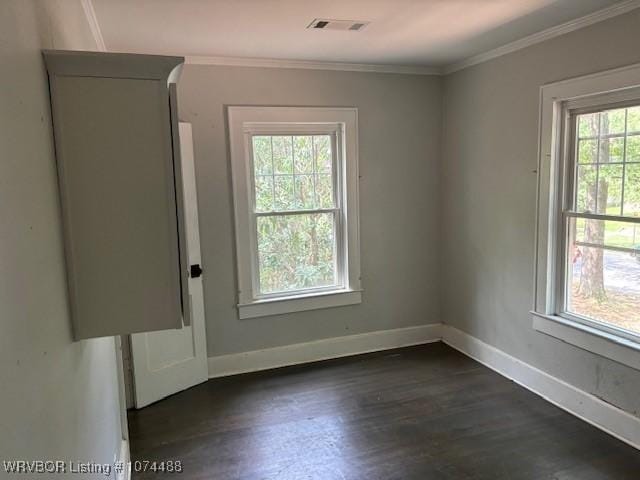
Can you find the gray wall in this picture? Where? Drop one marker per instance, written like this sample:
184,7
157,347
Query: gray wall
59,398
399,123
489,157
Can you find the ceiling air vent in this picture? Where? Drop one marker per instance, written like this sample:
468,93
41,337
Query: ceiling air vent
328,24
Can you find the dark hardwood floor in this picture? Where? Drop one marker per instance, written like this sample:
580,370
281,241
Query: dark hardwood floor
424,413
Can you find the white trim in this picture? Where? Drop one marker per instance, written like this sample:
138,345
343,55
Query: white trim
539,37
299,303
94,26
595,340
124,459
344,122
123,456
615,80
587,407
554,99
299,353
311,65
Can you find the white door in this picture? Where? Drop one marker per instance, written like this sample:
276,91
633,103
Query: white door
169,361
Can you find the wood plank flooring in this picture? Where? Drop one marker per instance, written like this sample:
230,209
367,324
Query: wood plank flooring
423,413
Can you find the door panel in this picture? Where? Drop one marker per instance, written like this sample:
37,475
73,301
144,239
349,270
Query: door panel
167,362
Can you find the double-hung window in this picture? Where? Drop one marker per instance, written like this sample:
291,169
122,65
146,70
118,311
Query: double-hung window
601,247
295,193
587,289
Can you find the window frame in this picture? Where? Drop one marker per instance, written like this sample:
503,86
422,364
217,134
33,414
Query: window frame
599,91
341,124
335,131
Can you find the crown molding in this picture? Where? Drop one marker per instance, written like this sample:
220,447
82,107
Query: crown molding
310,65
570,26
94,26
548,34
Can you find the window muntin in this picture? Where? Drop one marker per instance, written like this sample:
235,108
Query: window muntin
602,219
336,200
293,172
296,196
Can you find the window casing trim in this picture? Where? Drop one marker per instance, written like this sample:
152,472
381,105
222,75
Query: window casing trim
592,339
341,124
300,303
557,102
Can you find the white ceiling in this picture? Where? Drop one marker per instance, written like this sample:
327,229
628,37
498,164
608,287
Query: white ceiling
402,32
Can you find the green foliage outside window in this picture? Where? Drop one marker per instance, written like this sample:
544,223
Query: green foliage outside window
294,173
608,184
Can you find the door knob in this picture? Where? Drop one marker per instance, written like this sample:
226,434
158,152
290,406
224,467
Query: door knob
195,271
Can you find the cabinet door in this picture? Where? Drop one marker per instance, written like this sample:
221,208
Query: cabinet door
114,154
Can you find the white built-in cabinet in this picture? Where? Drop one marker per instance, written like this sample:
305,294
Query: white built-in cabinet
117,150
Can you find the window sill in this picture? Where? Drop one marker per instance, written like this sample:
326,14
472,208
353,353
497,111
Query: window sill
299,303
618,349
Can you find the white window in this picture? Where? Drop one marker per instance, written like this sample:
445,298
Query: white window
601,244
588,256
295,178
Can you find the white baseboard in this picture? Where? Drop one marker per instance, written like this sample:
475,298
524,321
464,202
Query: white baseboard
587,407
124,459
336,347
583,405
